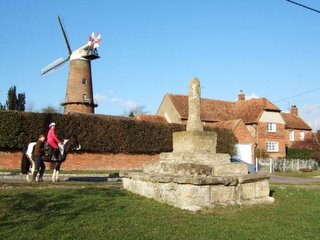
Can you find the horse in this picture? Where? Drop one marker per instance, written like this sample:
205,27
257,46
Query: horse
28,163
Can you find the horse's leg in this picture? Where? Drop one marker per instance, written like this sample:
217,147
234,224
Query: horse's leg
55,175
54,172
28,178
32,171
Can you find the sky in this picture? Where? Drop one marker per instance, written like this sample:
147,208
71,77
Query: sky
267,48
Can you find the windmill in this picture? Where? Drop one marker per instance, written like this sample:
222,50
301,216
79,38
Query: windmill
79,93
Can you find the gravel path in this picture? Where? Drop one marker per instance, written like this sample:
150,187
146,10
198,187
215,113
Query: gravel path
294,180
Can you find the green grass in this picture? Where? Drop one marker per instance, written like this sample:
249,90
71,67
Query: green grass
68,211
298,174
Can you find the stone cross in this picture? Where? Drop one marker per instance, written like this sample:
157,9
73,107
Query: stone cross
194,120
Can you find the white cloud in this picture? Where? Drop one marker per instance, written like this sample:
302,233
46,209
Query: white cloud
99,97
253,95
127,103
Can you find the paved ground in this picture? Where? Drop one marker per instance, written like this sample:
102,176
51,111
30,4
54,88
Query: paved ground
20,178
294,180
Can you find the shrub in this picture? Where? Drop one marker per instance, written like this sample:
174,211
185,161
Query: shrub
98,133
300,153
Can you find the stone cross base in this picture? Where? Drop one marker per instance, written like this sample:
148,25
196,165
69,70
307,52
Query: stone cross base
194,176
195,193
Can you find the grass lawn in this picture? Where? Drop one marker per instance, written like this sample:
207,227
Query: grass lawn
75,211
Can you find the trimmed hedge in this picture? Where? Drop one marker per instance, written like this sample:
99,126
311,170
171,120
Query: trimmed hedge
98,133
302,154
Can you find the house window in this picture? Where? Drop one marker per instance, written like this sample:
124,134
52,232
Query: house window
84,81
301,135
272,146
271,127
291,135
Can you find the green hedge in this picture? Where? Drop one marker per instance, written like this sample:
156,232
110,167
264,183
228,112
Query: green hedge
301,154
98,133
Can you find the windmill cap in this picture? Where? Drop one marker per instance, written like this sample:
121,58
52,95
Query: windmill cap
51,124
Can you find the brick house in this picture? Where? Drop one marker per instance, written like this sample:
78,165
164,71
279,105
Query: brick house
268,128
246,144
296,129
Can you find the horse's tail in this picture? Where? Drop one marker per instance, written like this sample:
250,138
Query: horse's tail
25,163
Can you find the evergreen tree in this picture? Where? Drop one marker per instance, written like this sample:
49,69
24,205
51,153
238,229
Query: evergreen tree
2,107
21,102
14,102
12,98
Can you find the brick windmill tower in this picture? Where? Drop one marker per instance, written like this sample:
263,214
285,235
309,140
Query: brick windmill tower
79,94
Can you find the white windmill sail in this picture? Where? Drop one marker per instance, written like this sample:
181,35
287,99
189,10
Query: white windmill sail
52,67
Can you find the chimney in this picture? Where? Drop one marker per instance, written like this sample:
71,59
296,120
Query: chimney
241,96
294,110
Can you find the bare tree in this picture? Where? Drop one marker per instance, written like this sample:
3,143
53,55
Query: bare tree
49,109
136,111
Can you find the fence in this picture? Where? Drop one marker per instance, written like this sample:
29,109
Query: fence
286,165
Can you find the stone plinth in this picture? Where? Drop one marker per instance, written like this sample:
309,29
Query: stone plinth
195,193
194,176
193,141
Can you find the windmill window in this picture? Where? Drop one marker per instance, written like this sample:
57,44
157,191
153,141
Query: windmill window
84,81
85,98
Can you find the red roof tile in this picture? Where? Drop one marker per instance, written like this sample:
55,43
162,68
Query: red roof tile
151,118
294,122
217,110
231,124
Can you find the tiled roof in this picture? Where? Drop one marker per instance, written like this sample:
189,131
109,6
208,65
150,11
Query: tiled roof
231,124
151,118
217,110
293,121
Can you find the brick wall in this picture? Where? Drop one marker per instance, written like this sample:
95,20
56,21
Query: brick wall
79,84
86,161
278,136
243,135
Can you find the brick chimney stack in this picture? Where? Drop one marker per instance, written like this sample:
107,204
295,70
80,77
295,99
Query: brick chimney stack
294,110
241,96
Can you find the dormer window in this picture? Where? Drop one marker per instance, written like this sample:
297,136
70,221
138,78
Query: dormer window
271,127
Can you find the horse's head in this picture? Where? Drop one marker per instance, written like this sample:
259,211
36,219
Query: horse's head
75,143
71,144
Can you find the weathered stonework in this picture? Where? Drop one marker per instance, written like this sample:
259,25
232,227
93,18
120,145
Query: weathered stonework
194,176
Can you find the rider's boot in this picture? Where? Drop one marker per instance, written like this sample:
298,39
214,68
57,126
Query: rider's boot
34,176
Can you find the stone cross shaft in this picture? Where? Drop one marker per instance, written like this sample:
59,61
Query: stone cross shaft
194,120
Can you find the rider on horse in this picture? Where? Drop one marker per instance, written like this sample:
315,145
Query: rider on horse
53,142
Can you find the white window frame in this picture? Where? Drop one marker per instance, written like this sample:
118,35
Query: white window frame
272,146
291,135
302,136
271,127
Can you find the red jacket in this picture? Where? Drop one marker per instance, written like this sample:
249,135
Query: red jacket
52,138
